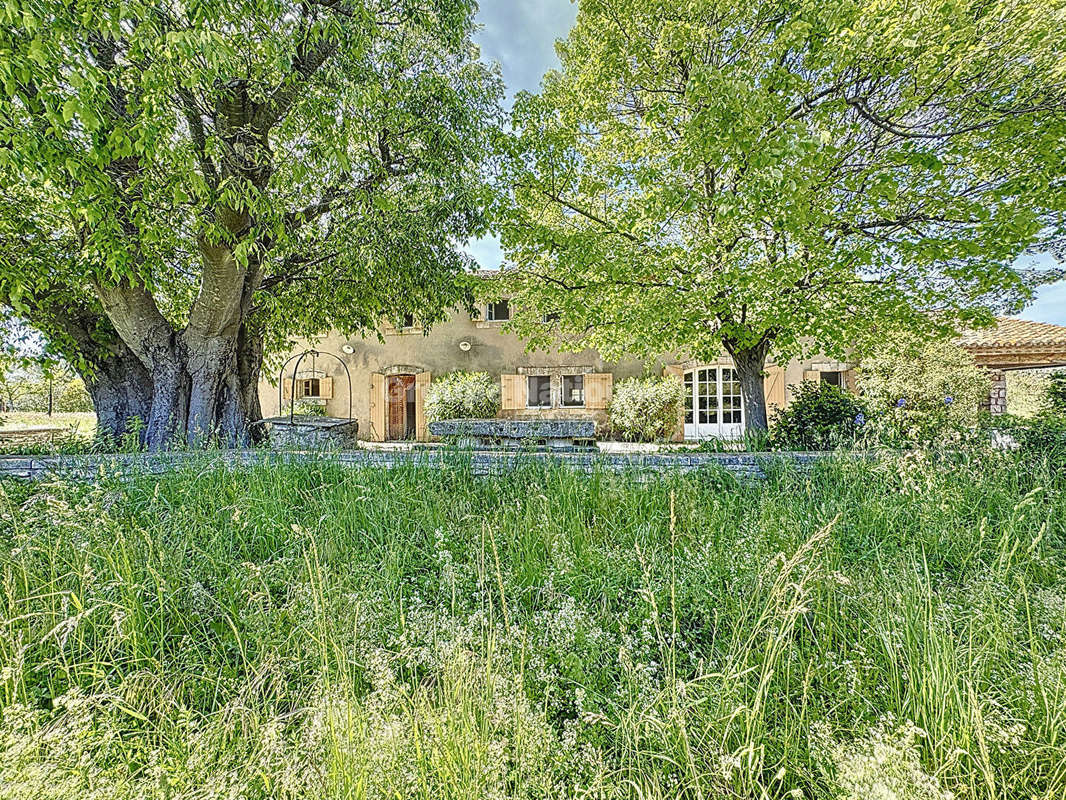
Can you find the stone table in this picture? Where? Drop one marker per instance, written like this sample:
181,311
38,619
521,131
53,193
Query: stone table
556,434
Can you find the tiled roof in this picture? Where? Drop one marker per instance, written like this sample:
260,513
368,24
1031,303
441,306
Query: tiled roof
1015,333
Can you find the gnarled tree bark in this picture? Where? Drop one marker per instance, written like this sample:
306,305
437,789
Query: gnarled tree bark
750,364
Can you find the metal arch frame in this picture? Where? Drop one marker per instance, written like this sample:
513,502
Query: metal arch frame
295,371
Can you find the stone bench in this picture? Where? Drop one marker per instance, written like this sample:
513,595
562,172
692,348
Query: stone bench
556,434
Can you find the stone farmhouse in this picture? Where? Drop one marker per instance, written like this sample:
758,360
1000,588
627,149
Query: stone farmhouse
389,379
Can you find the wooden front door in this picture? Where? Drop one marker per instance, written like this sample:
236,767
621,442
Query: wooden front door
400,392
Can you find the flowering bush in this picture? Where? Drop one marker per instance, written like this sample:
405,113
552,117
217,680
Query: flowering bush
933,393
820,417
645,409
462,395
886,763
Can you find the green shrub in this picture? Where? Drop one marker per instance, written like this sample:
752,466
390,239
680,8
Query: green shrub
73,398
645,409
1027,392
309,408
463,395
1056,391
1040,437
820,417
924,394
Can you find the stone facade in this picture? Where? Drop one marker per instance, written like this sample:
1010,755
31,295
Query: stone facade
462,342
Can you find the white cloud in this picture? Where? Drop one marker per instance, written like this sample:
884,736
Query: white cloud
521,34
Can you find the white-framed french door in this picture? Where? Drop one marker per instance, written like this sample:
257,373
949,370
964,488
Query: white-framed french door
713,406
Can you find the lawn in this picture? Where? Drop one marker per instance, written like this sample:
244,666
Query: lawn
890,629
31,431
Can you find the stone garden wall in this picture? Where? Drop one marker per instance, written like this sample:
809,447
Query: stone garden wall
747,465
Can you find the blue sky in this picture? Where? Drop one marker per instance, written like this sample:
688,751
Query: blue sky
520,35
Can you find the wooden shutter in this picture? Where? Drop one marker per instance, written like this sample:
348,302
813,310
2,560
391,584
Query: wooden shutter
286,388
851,380
774,388
421,427
598,389
325,388
377,407
812,375
512,392
678,372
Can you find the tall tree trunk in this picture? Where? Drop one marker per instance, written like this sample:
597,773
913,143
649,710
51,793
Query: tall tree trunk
186,399
750,364
212,367
204,379
121,391
249,368
224,389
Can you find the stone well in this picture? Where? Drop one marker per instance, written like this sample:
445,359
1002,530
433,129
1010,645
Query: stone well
312,432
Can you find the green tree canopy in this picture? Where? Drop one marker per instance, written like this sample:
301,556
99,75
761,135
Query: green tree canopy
186,185
784,176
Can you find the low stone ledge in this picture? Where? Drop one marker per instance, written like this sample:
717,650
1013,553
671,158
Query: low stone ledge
480,462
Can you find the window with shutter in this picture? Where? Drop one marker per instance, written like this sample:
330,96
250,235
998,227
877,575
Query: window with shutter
851,380
498,312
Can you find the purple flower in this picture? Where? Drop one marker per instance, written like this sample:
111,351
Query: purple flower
901,402
949,400
860,419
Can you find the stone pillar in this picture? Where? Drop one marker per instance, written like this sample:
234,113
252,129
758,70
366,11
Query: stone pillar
997,392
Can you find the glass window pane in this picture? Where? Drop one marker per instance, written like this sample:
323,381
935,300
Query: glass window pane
573,390
499,312
538,389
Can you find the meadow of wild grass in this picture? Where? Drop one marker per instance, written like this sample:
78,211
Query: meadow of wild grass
890,628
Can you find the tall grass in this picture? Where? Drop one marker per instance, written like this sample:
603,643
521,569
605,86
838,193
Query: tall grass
870,630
